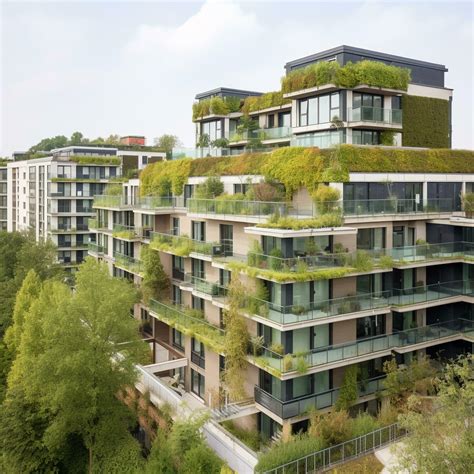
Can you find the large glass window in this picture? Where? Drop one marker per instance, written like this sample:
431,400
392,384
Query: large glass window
365,137
319,110
370,239
370,326
213,129
178,339
198,383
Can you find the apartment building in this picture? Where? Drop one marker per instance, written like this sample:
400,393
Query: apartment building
52,196
392,279
3,196
406,105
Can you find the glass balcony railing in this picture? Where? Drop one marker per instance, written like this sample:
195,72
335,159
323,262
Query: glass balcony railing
426,252
375,114
159,202
363,347
203,286
105,201
398,206
301,405
131,264
239,208
95,248
319,139
298,313
262,134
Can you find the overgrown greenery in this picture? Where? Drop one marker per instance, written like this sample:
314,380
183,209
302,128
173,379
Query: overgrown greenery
210,188
252,438
264,101
155,283
165,178
95,160
215,106
236,341
348,393
372,73
442,440
425,122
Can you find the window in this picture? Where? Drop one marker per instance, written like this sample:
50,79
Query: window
198,303
240,188
178,339
197,353
199,231
323,109
284,119
365,137
370,326
319,110
64,205
197,268
198,383
270,121
303,113
175,226
369,239
224,277
177,295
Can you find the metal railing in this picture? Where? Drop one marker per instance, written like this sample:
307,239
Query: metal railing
203,286
325,458
375,114
106,201
95,248
362,347
299,406
159,202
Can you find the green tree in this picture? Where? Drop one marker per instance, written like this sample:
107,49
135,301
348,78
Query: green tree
348,392
76,352
167,142
48,144
442,441
236,341
155,280
76,138
210,188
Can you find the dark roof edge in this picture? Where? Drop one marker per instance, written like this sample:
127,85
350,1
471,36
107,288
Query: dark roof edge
225,90
351,49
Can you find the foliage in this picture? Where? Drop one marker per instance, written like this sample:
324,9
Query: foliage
362,424
386,261
282,453
167,142
265,191
332,428
215,106
443,441
203,141
220,143
401,382
165,176
114,189
326,199
292,223
362,261
210,188
468,203
348,393
387,138
252,438
372,73
155,283
183,450
95,160
425,122
264,101
64,332
236,341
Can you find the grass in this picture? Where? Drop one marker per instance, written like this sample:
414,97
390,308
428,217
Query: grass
364,465
252,438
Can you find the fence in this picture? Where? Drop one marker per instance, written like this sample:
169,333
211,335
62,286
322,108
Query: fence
324,459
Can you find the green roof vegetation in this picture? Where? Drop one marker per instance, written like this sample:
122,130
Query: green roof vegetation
216,106
297,167
95,160
372,73
264,101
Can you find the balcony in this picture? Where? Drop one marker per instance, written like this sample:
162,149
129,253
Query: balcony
130,264
328,357
126,232
111,202
301,405
376,116
191,323
262,134
431,252
159,203
203,286
95,248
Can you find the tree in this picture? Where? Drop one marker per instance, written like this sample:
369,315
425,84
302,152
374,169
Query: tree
442,441
167,142
76,138
155,280
348,392
211,188
76,352
236,341
48,144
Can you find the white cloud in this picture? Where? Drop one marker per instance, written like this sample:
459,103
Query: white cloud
214,23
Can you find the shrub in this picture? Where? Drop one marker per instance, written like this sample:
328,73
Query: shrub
251,438
362,261
362,424
301,365
287,363
265,101
348,392
326,199
275,259
386,261
277,347
211,188
265,191
282,453
332,428
468,204
174,173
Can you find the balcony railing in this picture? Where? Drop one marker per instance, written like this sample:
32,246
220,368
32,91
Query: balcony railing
203,286
262,134
199,327
95,248
115,202
368,346
301,405
159,202
240,208
375,114
424,252
130,264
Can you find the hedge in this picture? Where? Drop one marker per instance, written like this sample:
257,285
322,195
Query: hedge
264,101
425,122
216,105
95,160
372,73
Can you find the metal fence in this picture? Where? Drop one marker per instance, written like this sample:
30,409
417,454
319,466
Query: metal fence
324,459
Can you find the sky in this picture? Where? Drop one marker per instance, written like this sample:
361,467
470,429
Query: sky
133,68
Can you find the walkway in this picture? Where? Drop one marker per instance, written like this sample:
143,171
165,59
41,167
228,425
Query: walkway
387,456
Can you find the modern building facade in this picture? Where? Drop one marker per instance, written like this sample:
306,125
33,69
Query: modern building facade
3,196
52,196
321,108
393,279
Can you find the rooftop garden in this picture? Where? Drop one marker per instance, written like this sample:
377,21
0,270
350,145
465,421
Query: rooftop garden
95,160
216,106
297,167
264,101
372,73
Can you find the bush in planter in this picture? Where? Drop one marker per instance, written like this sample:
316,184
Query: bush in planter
301,266
468,204
301,365
298,310
257,343
277,347
326,199
362,261
275,259
386,261
287,363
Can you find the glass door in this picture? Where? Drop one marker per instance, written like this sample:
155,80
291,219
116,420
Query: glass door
226,232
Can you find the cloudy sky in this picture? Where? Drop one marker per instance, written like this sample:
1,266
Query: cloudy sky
134,67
